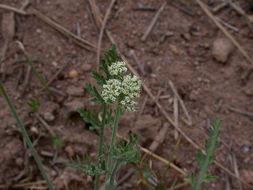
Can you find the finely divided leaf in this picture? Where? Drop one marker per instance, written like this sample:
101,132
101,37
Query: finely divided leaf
99,78
90,117
94,92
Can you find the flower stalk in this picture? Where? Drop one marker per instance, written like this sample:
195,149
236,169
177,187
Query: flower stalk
101,142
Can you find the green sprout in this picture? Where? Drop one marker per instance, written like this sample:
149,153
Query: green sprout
204,160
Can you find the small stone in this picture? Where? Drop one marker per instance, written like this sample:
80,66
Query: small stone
174,49
39,31
55,64
73,73
69,150
186,36
34,130
245,149
48,116
86,67
222,48
19,161
53,173
248,90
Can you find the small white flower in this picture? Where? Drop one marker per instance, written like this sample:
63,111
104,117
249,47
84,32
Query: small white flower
128,104
117,68
111,90
131,86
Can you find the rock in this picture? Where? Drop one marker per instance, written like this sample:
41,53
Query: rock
48,116
75,91
248,90
19,161
73,73
69,150
48,110
86,67
174,49
34,130
222,48
186,36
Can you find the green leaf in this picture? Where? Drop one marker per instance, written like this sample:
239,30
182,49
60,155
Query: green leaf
90,117
191,180
127,152
112,55
160,187
210,178
94,92
200,158
104,67
205,160
34,104
99,78
88,168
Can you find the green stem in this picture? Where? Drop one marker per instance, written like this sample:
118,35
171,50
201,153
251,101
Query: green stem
27,139
43,82
101,142
204,167
113,142
112,178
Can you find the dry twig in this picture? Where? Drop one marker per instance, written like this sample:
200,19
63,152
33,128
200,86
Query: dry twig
184,10
9,8
227,24
220,6
241,12
80,41
154,20
138,62
27,80
247,114
189,120
102,31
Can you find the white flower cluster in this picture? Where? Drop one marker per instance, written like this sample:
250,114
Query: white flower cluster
117,68
127,87
128,104
131,86
111,90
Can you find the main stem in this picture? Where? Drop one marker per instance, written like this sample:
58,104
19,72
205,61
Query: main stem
113,144
112,178
27,138
101,142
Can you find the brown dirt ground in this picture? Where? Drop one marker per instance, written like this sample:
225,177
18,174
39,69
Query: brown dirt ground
207,87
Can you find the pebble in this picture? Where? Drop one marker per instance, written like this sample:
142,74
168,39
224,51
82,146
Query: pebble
48,116
174,49
34,130
19,161
69,150
73,73
222,48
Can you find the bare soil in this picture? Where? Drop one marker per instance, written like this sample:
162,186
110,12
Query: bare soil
208,88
